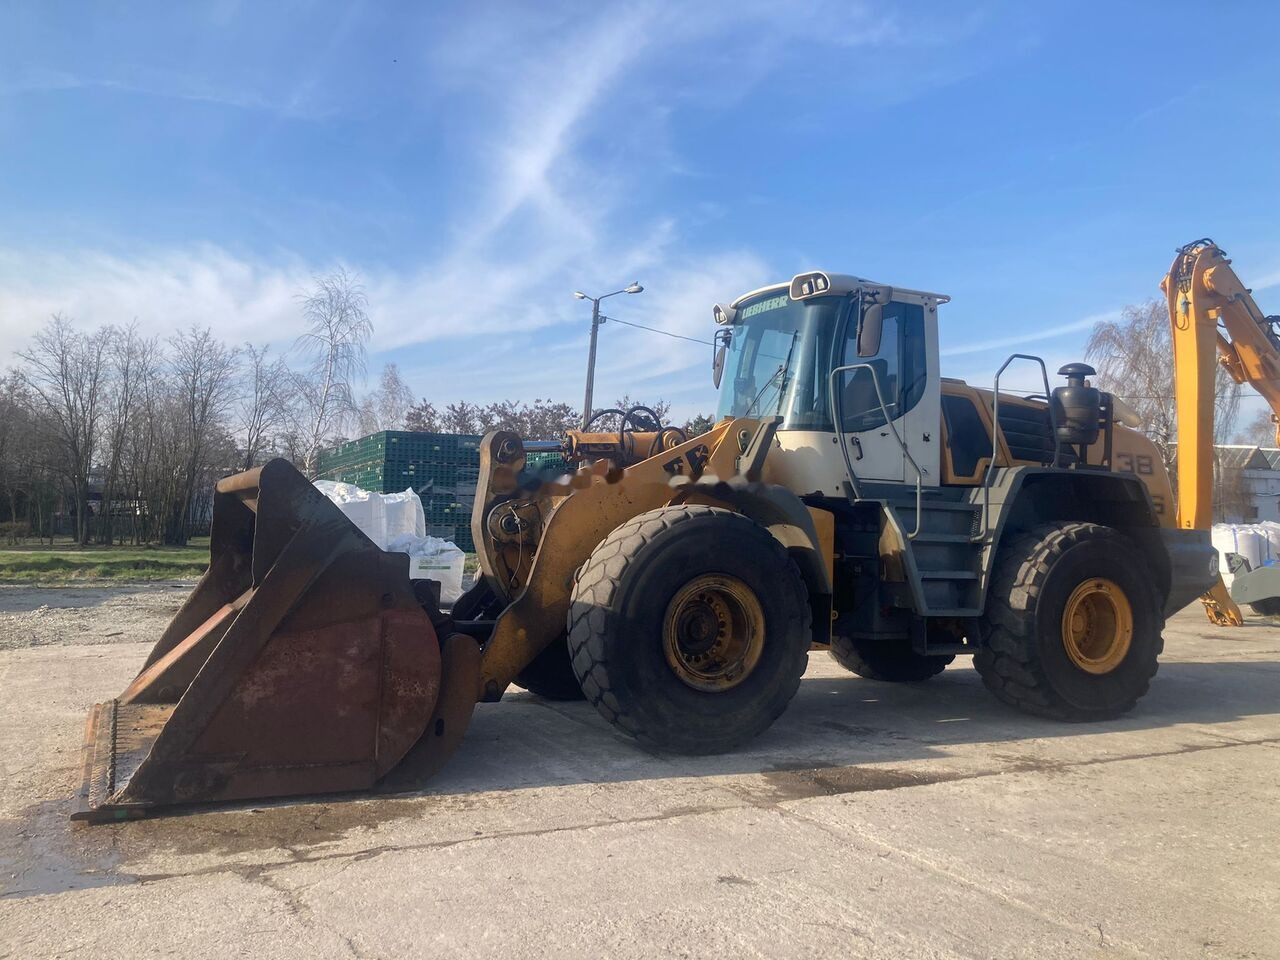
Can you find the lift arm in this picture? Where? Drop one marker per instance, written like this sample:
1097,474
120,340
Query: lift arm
1213,314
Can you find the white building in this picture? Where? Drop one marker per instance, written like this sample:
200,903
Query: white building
1247,483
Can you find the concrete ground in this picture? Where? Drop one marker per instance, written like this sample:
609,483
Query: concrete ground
872,820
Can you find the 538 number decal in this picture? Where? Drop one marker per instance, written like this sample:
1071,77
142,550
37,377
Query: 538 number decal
1142,464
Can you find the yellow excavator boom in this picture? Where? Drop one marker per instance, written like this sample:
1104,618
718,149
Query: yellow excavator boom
1213,316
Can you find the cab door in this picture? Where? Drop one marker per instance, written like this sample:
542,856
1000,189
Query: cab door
899,359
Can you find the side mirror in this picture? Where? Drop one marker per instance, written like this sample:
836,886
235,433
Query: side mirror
869,331
717,358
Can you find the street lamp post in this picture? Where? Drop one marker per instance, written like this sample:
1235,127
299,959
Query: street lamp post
596,320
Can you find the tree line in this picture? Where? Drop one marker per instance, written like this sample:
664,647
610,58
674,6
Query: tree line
538,419
113,436
1133,355
110,436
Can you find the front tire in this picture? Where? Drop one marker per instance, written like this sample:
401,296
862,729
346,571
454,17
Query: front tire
1073,622
689,628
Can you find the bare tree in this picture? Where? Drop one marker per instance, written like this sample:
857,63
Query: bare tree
1134,359
542,419
13,406
151,422
27,481
625,403
338,323
204,382
126,354
262,406
1232,496
422,416
66,371
537,420
1260,431
462,417
387,407
150,461
291,444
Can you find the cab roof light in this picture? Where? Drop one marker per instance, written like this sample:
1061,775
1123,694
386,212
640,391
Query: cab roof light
806,285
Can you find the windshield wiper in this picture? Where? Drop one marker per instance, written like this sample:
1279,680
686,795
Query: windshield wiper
779,377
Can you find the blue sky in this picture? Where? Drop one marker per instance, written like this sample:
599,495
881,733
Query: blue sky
477,162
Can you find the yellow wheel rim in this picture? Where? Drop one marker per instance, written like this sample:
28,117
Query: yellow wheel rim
1097,626
713,632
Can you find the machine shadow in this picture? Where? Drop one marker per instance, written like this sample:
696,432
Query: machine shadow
834,721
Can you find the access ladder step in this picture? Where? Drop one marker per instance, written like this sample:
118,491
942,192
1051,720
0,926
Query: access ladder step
948,575
956,612
945,649
926,536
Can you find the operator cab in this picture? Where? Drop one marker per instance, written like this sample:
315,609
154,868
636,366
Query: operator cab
830,348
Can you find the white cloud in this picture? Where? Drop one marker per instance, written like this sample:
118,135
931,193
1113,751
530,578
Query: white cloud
548,106
1267,280
1032,336
539,228
163,291
517,358
163,84
507,332
542,215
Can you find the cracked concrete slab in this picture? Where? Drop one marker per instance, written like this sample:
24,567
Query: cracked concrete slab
872,820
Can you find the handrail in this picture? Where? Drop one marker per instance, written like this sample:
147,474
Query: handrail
837,419
996,432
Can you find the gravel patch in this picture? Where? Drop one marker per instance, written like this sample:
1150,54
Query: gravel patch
40,616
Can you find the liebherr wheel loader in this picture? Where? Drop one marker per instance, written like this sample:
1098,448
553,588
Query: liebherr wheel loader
849,498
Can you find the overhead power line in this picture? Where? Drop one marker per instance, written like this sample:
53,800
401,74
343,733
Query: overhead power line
665,333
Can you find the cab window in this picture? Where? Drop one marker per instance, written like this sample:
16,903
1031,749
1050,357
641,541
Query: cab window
901,369
967,436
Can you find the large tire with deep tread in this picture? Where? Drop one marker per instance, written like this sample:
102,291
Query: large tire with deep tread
1023,660
889,660
1267,607
620,599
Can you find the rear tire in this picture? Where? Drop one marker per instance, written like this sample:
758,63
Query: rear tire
889,660
1073,622
1270,607
689,628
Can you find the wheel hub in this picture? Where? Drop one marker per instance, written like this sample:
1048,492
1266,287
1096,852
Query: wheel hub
1097,625
713,632
699,626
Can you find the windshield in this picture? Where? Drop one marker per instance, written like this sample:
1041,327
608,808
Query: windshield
777,358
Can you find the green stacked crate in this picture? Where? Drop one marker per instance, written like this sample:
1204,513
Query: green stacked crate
442,468
547,466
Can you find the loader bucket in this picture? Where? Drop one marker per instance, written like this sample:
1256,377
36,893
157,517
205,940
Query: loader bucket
301,663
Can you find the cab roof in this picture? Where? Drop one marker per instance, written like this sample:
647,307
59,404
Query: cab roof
813,283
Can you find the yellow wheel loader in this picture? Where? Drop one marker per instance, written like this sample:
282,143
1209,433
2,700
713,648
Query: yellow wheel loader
849,498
